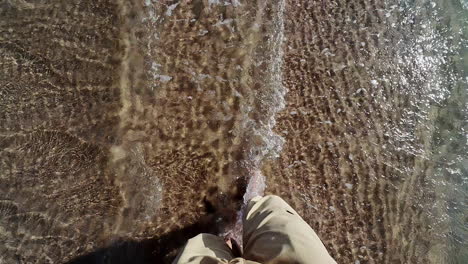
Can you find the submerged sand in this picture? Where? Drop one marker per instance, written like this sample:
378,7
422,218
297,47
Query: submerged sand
140,121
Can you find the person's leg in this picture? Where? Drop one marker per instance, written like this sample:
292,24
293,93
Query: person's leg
206,249
275,233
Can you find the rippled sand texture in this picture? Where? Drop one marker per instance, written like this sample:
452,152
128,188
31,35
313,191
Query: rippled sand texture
128,119
59,116
353,162
132,119
193,92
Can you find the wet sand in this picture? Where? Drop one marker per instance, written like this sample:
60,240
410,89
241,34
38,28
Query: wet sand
338,166
136,120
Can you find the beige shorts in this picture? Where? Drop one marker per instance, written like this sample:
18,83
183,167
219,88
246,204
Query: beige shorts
273,233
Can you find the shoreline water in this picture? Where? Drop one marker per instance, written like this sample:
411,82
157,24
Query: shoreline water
139,120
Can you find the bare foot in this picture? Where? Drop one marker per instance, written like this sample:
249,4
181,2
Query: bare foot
228,242
256,185
232,244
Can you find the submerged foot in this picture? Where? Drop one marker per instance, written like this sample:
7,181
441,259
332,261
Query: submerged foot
233,245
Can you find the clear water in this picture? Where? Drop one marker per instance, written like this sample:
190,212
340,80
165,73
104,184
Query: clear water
128,126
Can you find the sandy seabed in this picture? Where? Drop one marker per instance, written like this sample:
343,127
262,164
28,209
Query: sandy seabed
135,124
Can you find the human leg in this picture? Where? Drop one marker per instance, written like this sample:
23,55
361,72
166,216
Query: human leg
275,233
206,249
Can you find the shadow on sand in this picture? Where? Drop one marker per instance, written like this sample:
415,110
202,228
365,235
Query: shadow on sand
220,210
162,249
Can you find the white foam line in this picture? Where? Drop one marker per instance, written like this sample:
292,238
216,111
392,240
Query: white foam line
256,180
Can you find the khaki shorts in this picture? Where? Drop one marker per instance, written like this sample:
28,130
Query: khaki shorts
273,233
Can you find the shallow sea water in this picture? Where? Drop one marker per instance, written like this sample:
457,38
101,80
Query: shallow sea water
126,127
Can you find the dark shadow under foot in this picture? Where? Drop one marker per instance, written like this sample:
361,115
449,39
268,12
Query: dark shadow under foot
162,249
